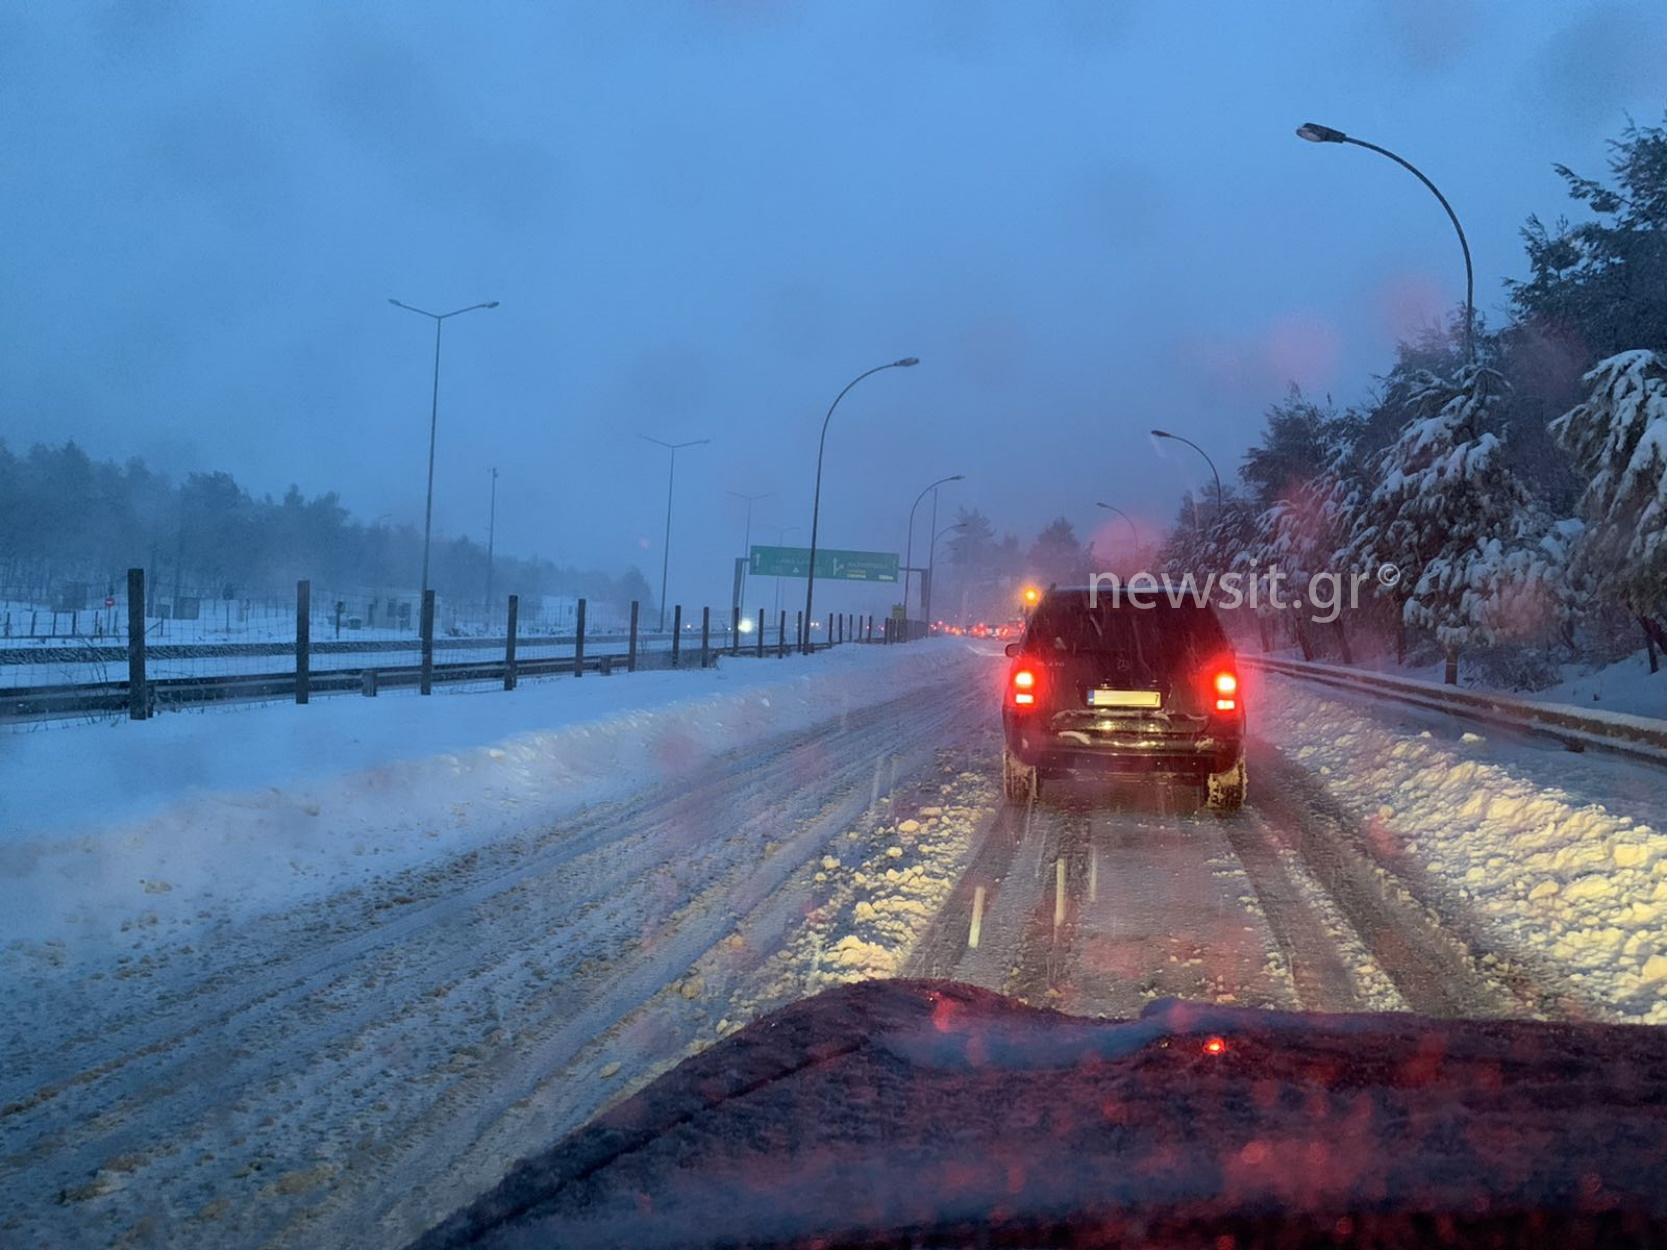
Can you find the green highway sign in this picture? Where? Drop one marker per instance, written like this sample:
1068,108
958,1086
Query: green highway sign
831,565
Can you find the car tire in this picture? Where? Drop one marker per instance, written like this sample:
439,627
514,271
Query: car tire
1225,790
1020,782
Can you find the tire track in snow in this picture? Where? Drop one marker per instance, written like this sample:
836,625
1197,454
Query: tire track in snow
1442,960
169,1093
470,1134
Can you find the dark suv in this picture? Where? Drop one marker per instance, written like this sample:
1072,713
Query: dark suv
1102,685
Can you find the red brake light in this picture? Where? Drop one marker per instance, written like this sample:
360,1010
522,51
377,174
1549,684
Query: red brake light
1024,687
1215,1046
1225,686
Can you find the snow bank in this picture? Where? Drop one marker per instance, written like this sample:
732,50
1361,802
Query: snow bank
1624,686
254,809
1565,853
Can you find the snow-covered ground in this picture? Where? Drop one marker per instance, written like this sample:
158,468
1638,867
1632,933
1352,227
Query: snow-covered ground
300,976
1625,686
251,808
362,948
1565,853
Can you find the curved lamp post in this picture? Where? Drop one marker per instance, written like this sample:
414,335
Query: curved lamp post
816,505
434,411
665,553
1207,460
1133,533
909,547
1316,133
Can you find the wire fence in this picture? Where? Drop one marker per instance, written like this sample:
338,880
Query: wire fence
138,654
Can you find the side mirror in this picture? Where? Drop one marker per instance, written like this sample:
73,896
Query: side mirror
1012,650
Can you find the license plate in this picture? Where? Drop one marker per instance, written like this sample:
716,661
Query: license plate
1124,698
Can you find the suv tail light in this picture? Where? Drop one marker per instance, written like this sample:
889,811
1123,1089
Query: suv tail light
1023,685
1224,688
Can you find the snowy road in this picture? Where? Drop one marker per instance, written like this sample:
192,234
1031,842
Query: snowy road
351,1068
1096,910
373,1059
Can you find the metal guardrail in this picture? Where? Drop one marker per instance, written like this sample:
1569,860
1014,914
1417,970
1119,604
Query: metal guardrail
91,652
141,694
23,703
1640,737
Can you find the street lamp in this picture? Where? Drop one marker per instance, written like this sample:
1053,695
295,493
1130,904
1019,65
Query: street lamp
931,566
1316,133
1207,460
746,544
1133,533
816,506
665,553
434,412
909,546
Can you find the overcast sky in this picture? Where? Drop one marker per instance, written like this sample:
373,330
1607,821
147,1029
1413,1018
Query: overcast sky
702,219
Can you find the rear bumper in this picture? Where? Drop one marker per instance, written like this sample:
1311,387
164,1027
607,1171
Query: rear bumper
1214,750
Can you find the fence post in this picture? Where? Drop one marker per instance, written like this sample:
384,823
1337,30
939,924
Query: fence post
761,633
303,639
830,629
800,631
136,644
706,637
735,632
509,642
579,640
631,652
425,625
781,636
676,633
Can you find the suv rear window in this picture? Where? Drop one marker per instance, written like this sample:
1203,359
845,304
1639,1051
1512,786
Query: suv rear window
1065,624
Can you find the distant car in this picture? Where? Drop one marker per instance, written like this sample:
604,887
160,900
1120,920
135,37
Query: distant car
1102,686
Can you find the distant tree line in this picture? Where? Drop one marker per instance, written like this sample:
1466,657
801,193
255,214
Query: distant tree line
65,517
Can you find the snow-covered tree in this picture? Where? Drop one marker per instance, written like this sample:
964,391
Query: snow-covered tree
1460,529
1618,438
1605,275
1058,557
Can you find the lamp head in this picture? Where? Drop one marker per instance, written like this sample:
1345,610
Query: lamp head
1316,133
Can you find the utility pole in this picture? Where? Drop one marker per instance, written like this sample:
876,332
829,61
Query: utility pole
746,546
671,479
491,532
